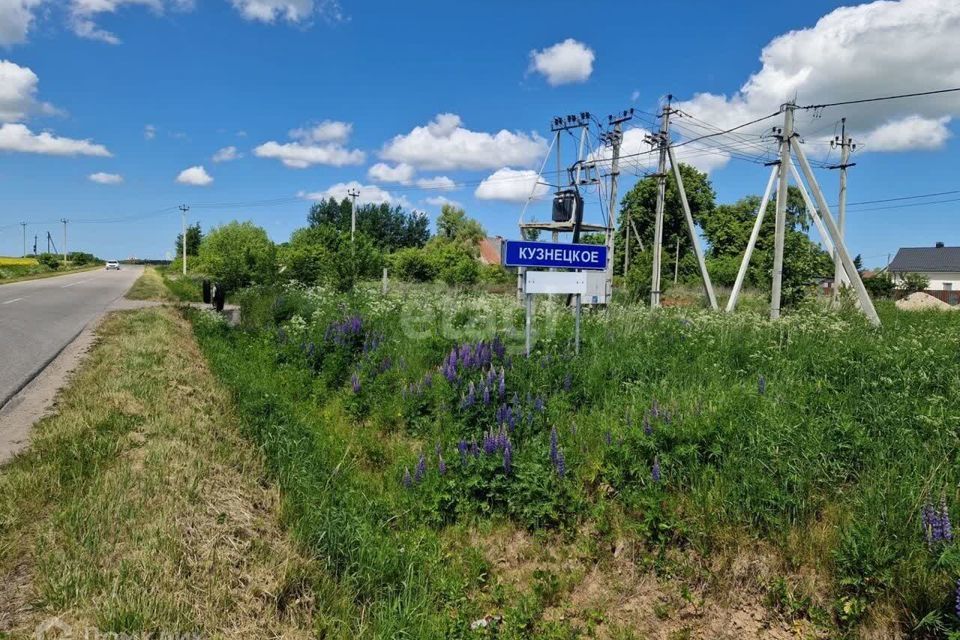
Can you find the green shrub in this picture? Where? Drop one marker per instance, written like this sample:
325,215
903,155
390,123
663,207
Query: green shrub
413,265
49,260
880,286
238,254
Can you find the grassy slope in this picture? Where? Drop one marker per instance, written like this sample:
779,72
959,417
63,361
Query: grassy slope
140,508
810,493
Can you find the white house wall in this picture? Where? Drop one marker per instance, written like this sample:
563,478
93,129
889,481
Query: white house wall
937,280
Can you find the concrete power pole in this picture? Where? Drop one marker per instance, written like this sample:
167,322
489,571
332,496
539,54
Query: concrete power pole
64,221
23,225
846,146
781,217
663,141
616,139
183,223
354,194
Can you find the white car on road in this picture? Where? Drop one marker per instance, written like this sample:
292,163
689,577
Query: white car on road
113,264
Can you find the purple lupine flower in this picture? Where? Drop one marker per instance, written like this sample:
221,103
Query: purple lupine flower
502,387
762,385
421,469
407,480
489,443
567,382
507,458
538,404
463,447
655,472
511,420
442,466
957,605
498,349
607,438
655,409
474,450
554,445
946,528
561,464
355,382
486,394
647,426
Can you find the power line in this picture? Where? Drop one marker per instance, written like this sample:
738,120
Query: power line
878,99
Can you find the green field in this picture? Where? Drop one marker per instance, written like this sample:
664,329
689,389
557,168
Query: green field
687,471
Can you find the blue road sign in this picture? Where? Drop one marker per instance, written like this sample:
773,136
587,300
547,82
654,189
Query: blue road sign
519,253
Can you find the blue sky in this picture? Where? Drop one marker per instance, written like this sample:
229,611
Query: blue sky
312,94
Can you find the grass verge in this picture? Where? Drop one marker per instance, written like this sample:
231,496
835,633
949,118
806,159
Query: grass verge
150,286
139,508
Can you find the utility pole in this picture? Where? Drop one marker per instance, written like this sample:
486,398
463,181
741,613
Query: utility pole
34,244
183,223
23,225
64,221
663,139
676,262
615,139
354,194
846,147
786,136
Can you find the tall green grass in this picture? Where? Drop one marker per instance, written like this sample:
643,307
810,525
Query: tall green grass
830,460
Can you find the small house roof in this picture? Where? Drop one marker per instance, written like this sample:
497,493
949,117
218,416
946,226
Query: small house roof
926,259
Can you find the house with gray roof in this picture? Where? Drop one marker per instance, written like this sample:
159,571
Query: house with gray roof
940,264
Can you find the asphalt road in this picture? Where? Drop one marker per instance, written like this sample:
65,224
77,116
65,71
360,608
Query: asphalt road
38,318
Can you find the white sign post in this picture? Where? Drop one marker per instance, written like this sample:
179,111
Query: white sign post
552,282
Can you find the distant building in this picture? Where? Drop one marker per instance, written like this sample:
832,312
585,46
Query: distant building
491,250
939,264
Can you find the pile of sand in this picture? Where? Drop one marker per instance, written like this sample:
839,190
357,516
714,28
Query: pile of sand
921,301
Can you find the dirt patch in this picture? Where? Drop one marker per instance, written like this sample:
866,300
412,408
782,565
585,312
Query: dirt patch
623,594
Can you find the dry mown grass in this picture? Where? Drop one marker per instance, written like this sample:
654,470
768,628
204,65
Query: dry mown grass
150,286
139,507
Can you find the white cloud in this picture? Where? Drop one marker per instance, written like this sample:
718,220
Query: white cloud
912,132
195,176
18,138
227,154
443,183
105,178
563,63
319,144
875,49
369,194
149,132
634,96
439,201
299,156
444,144
18,93
511,185
16,18
383,172
270,11
83,14
326,131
